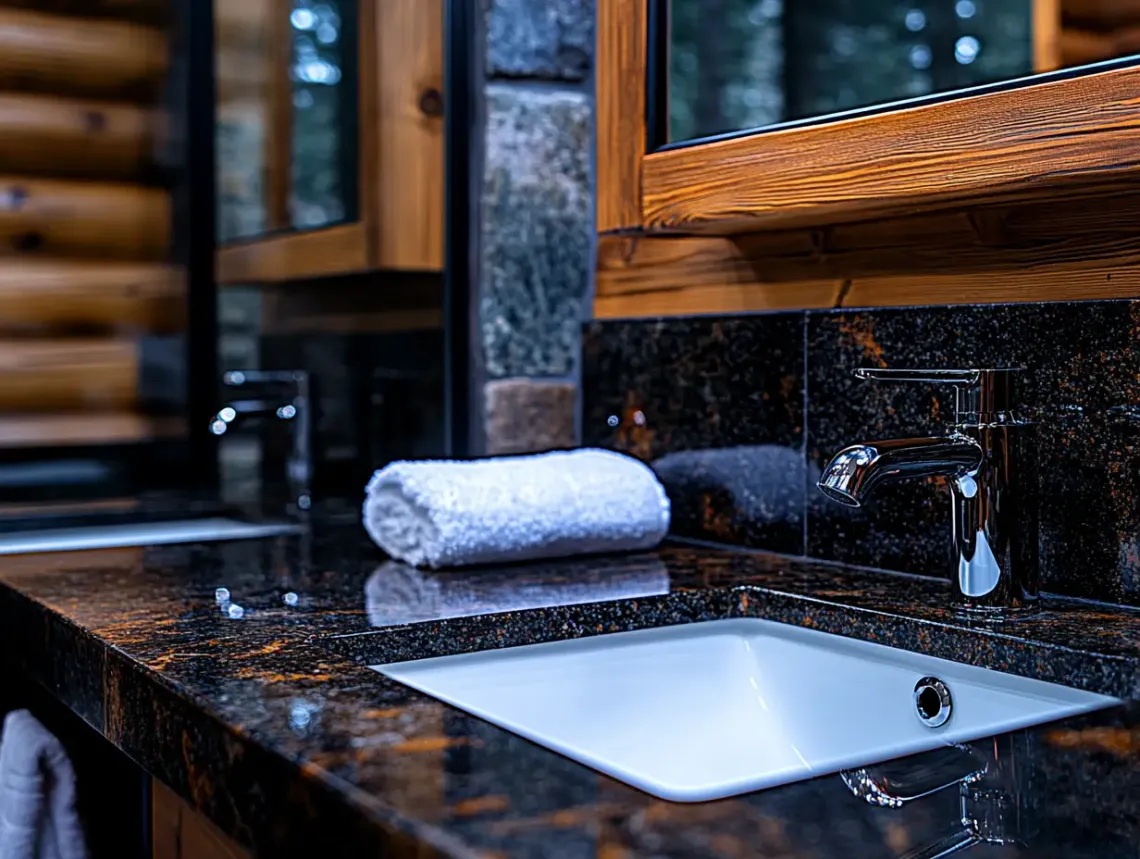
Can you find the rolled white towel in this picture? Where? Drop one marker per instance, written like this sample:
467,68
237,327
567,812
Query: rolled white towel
452,513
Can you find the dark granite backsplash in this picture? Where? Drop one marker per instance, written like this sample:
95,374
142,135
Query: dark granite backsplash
738,415
378,397
717,405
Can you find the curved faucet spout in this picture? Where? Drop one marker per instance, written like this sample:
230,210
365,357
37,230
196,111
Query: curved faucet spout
856,471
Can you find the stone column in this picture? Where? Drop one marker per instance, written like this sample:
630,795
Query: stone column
536,233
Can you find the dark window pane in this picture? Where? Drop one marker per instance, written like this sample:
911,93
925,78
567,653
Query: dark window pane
742,64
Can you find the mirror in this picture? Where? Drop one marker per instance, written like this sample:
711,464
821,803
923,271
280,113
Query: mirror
736,65
286,115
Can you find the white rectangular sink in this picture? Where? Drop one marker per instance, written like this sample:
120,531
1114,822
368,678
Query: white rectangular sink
708,710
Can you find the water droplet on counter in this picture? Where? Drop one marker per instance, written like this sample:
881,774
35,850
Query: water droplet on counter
222,595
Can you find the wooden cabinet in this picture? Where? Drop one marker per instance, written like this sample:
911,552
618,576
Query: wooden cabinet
391,188
1010,192
179,832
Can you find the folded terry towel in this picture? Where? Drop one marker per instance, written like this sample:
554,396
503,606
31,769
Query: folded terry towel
434,513
38,819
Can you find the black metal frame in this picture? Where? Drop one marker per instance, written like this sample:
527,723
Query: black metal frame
190,106
657,90
461,153
350,168
657,77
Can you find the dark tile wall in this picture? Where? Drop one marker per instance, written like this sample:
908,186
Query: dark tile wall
716,395
379,397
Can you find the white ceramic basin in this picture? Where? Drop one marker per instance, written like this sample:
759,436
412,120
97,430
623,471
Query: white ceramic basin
708,710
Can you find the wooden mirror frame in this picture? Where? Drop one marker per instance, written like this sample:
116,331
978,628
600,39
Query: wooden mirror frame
762,209
400,160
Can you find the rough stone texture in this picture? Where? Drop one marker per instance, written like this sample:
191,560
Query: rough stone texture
549,39
529,415
537,229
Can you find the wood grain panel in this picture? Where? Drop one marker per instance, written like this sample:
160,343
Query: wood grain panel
127,10
1025,144
1046,32
406,142
726,298
88,56
46,295
620,111
71,429
1068,249
94,219
316,253
72,375
180,832
1054,283
69,137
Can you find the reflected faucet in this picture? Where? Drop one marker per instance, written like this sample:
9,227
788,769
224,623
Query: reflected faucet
281,396
987,461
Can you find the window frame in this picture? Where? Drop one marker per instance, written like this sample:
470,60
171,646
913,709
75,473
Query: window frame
1012,193
976,148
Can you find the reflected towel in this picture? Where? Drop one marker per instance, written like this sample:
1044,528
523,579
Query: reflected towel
396,593
38,819
757,484
435,513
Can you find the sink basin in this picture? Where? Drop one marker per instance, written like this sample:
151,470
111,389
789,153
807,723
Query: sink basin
708,710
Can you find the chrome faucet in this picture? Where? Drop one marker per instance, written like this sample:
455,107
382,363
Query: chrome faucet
988,461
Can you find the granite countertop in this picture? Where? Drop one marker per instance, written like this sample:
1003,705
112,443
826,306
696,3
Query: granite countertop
267,720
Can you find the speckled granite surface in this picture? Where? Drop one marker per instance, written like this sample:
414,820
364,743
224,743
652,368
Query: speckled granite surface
270,724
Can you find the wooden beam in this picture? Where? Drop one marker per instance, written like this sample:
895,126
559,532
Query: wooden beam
99,220
404,133
1069,249
68,375
79,429
180,832
148,11
42,296
621,74
86,56
71,137
1021,145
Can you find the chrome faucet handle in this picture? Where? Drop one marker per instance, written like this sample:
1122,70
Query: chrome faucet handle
982,395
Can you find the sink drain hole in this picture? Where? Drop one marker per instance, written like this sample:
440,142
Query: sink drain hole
932,702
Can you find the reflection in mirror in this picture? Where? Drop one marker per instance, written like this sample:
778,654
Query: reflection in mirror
323,181
742,64
286,116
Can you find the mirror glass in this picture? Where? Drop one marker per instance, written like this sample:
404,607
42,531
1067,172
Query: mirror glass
287,115
736,65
